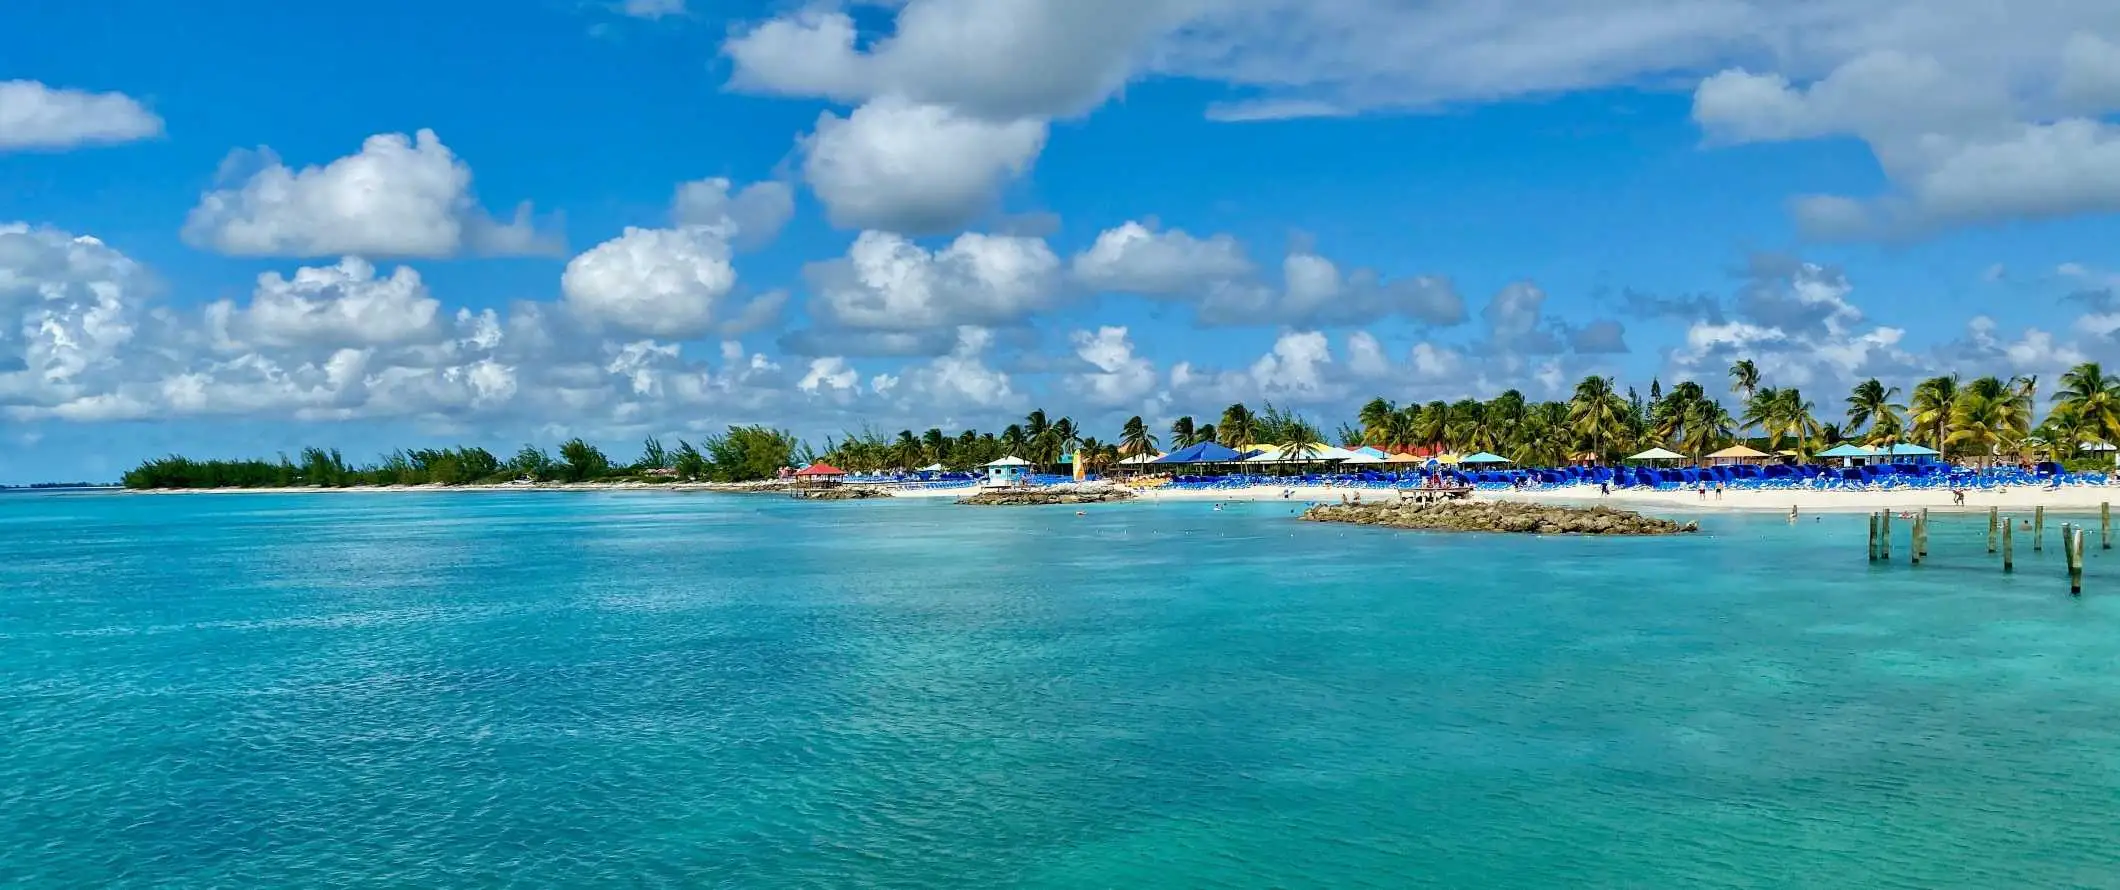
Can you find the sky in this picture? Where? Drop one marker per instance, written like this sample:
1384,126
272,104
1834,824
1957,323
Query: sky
233,229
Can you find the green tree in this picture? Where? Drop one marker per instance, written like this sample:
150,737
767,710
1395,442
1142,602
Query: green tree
583,461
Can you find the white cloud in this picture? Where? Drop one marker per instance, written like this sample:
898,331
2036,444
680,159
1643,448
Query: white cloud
1118,377
1135,258
915,169
889,283
658,282
828,375
1365,356
343,305
69,306
35,116
999,59
957,381
755,214
397,197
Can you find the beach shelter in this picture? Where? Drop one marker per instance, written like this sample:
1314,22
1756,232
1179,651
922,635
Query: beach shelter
1446,459
1405,459
1010,470
1203,453
1362,456
1905,449
1139,459
1848,452
1657,454
930,468
1484,457
820,473
2102,446
1738,454
1373,451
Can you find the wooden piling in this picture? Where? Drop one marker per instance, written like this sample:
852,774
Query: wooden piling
2009,546
1884,535
2075,563
1918,543
2105,525
2039,528
1873,536
1992,531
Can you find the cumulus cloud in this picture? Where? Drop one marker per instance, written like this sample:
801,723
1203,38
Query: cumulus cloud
69,306
1795,319
396,197
1219,280
959,380
755,214
1115,375
344,305
38,117
914,168
886,282
999,59
658,282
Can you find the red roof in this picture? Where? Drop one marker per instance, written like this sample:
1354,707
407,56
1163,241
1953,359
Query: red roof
820,470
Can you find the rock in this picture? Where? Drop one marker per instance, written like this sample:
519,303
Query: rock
1497,516
841,493
1084,493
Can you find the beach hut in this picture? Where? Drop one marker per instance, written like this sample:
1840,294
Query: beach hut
1317,452
1402,458
1657,454
1374,452
2105,447
1848,453
1363,458
1484,457
1738,454
820,473
1010,470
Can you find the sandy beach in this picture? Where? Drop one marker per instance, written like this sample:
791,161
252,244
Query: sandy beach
2011,499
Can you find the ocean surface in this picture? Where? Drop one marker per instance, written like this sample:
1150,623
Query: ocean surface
667,690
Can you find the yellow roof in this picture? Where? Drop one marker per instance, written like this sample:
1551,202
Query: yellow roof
1448,458
1404,459
1740,451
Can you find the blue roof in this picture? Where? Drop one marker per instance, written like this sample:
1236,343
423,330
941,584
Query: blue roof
1906,450
1203,453
1847,449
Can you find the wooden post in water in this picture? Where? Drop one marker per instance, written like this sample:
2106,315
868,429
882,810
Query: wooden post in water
2009,546
2039,528
2075,563
1918,542
1992,511
1884,535
2105,525
1873,536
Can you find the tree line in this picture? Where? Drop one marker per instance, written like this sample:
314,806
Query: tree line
742,453
1982,420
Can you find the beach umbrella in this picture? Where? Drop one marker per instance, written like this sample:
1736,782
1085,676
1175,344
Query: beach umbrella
1203,453
1484,457
1657,454
1849,449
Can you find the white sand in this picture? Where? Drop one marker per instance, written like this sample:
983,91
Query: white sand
2017,499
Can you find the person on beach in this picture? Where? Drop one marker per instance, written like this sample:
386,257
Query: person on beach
1718,491
1604,489
1958,497
1703,491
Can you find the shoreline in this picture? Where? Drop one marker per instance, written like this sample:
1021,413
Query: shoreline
1776,501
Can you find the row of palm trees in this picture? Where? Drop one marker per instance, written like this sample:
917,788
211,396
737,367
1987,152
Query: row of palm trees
1985,419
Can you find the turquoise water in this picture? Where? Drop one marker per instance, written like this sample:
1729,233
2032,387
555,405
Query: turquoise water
563,689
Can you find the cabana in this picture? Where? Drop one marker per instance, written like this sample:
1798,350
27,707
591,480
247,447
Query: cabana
1316,453
1399,458
1657,454
1363,457
1484,457
1848,453
1373,451
2107,447
820,473
1738,454
1010,470
1905,449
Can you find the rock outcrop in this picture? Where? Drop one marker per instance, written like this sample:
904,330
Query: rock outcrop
841,493
1086,493
1494,516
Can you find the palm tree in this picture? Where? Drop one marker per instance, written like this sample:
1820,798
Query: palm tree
1239,426
1134,437
1376,418
1182,434
1744,378
1930,415
2094,398
1981,422
1597,414
1761,414
935,444
1871,401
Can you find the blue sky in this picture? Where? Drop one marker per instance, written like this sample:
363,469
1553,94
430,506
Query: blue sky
1538,192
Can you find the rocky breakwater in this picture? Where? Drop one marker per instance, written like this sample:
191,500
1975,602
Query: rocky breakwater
1088,493
1494,516
840,493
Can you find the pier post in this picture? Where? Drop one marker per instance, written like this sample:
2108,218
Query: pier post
2105,525
2039,528
2072,549
1873,536
2009,546
1992,511
1918,541
1884,535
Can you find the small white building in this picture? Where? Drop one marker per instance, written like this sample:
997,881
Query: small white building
1010,470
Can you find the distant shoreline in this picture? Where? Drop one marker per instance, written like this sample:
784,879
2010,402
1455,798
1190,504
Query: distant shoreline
2014,499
